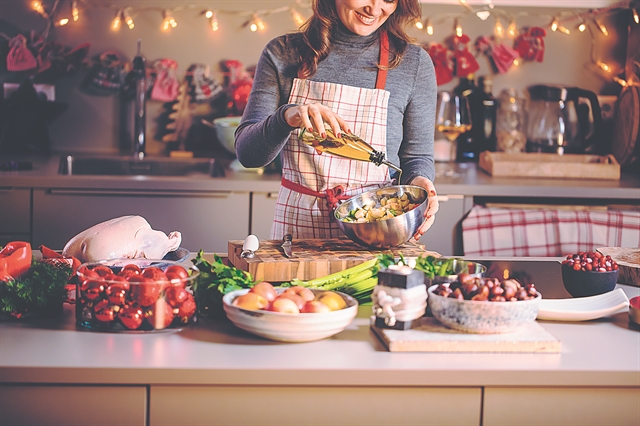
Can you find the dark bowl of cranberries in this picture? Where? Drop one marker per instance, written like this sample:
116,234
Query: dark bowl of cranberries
589,274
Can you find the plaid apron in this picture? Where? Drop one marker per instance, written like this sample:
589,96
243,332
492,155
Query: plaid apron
312,183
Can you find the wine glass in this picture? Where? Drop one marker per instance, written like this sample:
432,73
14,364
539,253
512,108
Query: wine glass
453,116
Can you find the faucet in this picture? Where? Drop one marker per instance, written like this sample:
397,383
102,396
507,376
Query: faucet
139,77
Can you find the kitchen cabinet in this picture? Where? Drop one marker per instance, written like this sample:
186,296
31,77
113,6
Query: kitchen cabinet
206,219
15,214
263,207
70,405
330,405
561,406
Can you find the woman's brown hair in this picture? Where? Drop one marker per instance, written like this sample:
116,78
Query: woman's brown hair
317,30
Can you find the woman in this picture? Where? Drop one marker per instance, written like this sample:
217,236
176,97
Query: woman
352,67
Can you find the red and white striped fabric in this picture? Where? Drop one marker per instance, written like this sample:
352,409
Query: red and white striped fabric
541,232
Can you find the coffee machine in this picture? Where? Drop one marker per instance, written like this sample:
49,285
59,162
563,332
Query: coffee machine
564,120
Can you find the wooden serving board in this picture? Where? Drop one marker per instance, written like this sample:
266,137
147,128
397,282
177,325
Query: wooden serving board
533,164
628,260
431,336
312,258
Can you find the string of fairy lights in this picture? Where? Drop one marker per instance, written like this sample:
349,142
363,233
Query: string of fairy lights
60,13
584,20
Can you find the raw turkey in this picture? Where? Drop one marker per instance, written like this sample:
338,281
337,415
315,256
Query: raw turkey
122,237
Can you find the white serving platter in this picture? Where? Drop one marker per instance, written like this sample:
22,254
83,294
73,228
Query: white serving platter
583,308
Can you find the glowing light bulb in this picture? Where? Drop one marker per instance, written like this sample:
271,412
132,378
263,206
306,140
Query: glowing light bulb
636,18
603,28
429,27
483,14
38,7
458,29
499,29
115,24
256,24
62,22
297,18
554,25
214,22
620,81
419,25
74,11
512,30
563,30
516,62
582,27
168,21
604,66
128,19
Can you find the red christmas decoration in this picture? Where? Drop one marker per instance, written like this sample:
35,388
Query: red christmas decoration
530,45
442,61
502,56
20,57
240,83
465,62
165,86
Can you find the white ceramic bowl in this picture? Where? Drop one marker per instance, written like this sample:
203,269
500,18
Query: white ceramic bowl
225,131
287,327
484,317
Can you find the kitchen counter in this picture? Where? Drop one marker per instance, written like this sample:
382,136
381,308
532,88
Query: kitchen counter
452,178
198,373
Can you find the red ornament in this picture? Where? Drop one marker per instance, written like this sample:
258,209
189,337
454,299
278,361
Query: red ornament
502,56
91,289
442,61
105,311
131,317
159,315
117,293
20,58
240,83
187,309
144,290
530,45
465,62
176,295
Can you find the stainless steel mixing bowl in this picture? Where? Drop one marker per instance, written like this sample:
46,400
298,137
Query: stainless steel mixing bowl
389,232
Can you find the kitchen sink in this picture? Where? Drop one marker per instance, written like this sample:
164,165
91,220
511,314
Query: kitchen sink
150,166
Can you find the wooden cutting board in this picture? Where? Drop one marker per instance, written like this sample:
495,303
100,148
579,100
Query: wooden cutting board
628,260
313,258
431,336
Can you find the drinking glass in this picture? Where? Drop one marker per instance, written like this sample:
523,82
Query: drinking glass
453,116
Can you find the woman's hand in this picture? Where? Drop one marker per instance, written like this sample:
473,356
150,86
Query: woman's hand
432,206
312,117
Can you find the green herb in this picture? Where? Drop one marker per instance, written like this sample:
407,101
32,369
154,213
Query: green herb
41,290
215,280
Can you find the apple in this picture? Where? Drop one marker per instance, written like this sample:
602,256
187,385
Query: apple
251,301
265,289
315,307
332,299
284,305
306,294
299,301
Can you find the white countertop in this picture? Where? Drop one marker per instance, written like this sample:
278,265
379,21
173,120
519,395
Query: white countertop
603,352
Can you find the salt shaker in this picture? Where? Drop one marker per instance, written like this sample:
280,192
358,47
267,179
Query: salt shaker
510,122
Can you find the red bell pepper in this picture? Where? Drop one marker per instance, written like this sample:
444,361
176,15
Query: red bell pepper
15,260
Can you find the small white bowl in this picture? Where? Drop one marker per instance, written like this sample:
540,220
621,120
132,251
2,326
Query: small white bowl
303,327
483,317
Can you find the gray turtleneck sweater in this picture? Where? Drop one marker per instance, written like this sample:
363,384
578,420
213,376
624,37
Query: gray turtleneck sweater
263,130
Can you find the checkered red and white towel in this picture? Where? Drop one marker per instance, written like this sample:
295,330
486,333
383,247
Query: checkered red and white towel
490,231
